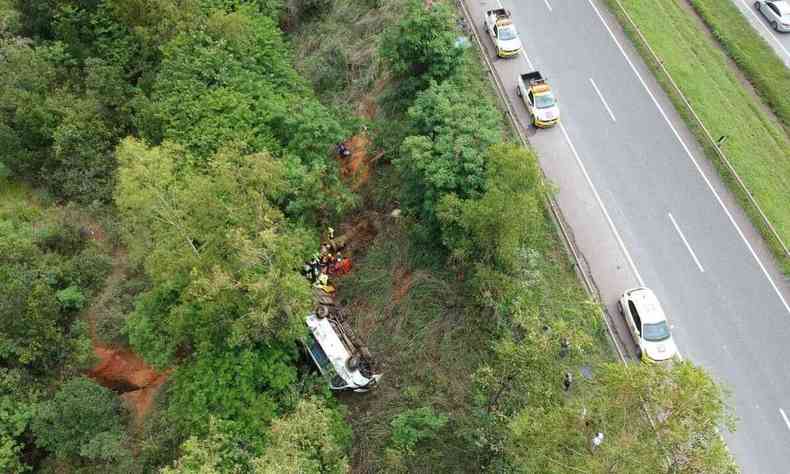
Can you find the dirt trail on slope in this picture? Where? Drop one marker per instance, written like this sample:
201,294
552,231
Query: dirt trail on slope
120,369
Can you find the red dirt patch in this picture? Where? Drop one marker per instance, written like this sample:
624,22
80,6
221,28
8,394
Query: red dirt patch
356,167
121,368
402,285
125,372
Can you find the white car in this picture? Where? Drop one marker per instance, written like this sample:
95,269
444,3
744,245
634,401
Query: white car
647,325
777,12
331,347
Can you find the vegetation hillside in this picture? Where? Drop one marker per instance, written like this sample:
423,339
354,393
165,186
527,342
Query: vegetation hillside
168,167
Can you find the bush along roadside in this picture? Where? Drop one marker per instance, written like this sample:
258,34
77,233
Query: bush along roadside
755,144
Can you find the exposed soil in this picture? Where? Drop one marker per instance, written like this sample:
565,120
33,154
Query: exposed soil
403,281
356,168
120,369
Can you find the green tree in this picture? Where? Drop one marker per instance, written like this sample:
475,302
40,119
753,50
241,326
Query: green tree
415,425
686,405
217,453
314,438
17,400
422,45
223,260
83,419
233,83
28,82
446,150
494,228
246,388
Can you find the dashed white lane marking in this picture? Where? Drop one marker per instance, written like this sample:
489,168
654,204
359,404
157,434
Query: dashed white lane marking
691,157
529,63
600,96
787,422
768,30
548,5
593,188
688,246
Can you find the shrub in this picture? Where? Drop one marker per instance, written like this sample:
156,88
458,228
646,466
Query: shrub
71,298
415,425
422,45
83,419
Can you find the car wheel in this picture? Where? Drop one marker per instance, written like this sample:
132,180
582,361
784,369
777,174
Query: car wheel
518,91
775,25
352,363
323,312
620,308
757,6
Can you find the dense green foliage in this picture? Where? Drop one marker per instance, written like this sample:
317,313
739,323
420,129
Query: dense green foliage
82,420
184,127
219,252
248,388
682,400
46,272
444,154
421,47
186,123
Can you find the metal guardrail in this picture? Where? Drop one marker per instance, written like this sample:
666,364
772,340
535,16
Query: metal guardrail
551,203
713,142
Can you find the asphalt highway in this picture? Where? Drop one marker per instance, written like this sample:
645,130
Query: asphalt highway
646,208
780,42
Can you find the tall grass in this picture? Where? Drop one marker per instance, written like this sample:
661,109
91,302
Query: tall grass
764,69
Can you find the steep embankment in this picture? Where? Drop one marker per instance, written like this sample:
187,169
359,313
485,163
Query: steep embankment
119,368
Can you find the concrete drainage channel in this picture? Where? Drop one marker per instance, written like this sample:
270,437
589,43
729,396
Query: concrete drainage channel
579,262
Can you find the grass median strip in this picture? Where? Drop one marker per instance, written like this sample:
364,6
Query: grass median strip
756,145
760,64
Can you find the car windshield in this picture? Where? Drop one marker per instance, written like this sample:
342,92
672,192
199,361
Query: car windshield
506,34
784,8
655,332
544,101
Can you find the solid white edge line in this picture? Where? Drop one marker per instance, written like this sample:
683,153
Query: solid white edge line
548,5
693,160
787,422
595,191
771,33
680,232
603,208
600,96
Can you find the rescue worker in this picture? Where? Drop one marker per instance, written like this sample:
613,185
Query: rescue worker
567,381
342,150
597,440
342,265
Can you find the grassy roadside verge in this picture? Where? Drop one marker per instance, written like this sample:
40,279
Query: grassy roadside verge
757,146
749,50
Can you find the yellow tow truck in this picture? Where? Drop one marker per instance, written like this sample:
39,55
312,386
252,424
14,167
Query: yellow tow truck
539,99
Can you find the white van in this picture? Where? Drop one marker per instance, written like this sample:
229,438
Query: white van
331,347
